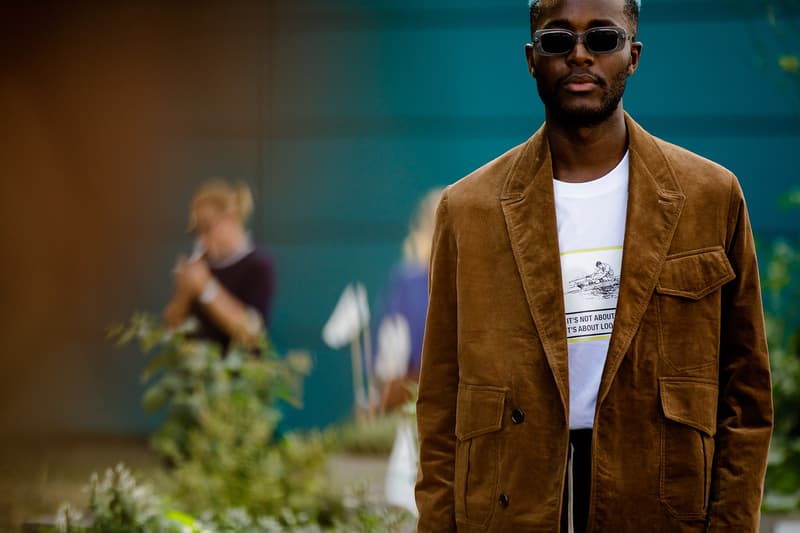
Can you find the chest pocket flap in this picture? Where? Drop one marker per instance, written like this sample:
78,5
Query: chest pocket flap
695,274
479,410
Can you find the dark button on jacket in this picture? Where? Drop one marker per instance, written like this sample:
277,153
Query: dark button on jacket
503,500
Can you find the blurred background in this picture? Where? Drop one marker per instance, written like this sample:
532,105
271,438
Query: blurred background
340,115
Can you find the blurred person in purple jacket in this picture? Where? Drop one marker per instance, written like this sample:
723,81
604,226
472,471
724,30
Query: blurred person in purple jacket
401,322
227,283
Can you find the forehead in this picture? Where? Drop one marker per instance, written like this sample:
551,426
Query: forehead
204,211
579,14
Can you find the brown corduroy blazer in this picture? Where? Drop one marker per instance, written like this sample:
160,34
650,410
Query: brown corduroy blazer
684,410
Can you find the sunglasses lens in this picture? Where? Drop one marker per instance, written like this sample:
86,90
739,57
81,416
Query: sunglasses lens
602,40
557,42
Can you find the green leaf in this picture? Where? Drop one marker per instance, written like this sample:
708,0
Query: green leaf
155,397
156,363
789,63
234,361
181,518
299,362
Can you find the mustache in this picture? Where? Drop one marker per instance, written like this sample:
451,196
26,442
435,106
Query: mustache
582,76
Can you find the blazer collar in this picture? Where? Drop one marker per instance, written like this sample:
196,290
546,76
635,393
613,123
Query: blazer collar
655,202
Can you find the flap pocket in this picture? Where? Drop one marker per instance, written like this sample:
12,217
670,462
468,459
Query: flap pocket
479,410
692,402
695,274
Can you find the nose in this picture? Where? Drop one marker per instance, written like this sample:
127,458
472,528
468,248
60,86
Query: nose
580,55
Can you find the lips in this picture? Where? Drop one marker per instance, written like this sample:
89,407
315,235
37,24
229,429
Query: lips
581,82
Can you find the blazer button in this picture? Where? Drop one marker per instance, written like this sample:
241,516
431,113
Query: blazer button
503,500
517,416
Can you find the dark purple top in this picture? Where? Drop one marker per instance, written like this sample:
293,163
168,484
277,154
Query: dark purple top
407,294
252,281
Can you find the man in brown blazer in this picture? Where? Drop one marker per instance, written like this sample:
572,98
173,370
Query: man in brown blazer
594,356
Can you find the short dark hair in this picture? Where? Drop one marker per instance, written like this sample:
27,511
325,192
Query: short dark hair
631,11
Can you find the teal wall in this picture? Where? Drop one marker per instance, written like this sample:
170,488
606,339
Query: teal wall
342,114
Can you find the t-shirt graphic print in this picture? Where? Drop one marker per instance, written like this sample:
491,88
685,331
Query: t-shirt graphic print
591,289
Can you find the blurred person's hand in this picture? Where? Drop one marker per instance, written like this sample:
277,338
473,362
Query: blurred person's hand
191,277
394,348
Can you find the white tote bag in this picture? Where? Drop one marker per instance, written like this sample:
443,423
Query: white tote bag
401,475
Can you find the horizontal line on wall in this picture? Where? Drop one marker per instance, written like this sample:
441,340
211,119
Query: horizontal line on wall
307,19
471,127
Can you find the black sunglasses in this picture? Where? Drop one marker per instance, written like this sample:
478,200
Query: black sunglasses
559,42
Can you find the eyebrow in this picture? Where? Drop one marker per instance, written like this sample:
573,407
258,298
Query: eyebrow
594,23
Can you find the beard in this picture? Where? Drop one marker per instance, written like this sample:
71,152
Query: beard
583,115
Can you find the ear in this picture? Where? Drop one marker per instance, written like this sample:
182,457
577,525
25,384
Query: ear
529,59
636,53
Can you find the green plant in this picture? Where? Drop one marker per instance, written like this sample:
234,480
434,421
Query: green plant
229,466
372,437
232,462
118,503
188,377
220,432
375,436
364,516
781,285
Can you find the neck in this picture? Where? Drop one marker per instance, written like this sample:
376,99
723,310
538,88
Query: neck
586,153
238,242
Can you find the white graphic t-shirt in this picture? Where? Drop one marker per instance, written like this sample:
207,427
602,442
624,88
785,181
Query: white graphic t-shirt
591,231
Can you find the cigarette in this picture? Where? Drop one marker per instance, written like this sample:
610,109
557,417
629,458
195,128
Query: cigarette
198,252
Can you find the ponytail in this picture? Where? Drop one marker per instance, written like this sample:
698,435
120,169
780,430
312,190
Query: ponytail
243,200
225,198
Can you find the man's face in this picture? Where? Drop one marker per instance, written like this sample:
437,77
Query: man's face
582,88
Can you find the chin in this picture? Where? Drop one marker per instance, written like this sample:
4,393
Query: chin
585,115
582,116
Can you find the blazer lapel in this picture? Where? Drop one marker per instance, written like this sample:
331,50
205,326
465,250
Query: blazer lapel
654,206
528,204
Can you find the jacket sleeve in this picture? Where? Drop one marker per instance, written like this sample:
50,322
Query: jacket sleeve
744,416
438,386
